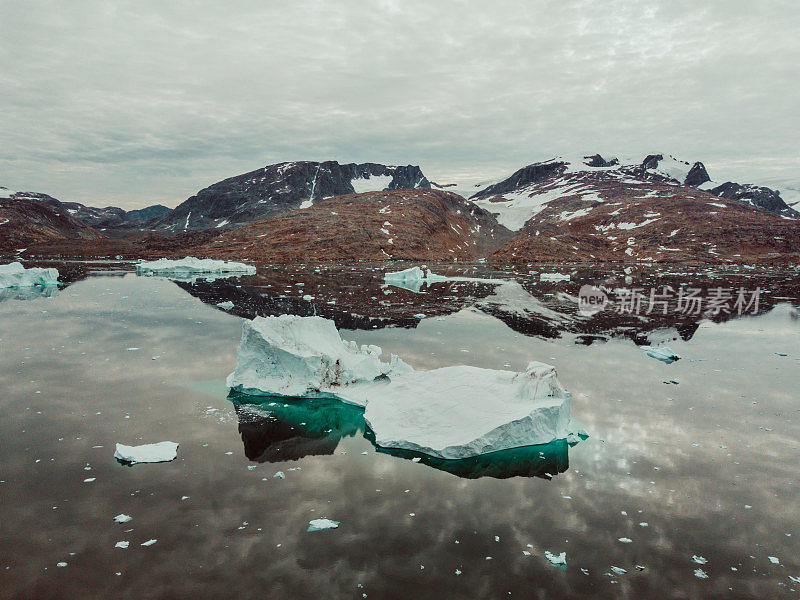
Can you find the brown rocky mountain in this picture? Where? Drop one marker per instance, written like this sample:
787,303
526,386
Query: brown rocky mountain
419,224
28,222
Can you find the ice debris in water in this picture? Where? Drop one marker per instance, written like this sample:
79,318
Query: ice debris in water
227,305
149,542
123,544
556,559
190,264
452,412
664,354
413,274
122,518
774,560
14,275
321,524
147,453
700,574
699,559
618,570
279,475
553,277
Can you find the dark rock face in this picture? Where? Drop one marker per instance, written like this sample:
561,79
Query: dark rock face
598,161
651,161
110,216
279,188
145,214
763,197
25,221
697,175
526,175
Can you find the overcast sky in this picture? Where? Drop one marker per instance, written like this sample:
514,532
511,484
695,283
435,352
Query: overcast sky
133,103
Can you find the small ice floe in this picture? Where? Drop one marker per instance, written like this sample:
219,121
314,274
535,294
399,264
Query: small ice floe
700,574
14,275
556,559
794,579
664,354
227,305
308,297
122,518
774,560
553,277
122,544
625,540
699,559
618,570
146,453
191,265
149,542
279,475
61,564
321,524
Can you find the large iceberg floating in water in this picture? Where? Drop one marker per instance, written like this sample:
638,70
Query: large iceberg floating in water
452,412
191,265
296,356
14,275
461,411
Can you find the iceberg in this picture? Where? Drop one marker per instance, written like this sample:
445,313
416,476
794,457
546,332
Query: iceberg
664,354
146,453
412,278
190,266
450,413
462,411
14,275
321,524
296,356
553,277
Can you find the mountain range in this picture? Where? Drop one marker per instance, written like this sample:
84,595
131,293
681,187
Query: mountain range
582,208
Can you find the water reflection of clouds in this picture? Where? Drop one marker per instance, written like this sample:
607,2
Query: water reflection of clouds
618,396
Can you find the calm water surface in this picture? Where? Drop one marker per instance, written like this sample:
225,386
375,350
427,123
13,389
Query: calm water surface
706,467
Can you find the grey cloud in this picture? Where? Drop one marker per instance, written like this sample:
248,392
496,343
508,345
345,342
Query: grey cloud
140,103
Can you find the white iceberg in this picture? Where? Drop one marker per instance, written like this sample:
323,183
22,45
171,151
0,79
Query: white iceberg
227,305
412,278
14,275
452,412
147,453
457,412
192,266
664,354
322,524
556,559
553,277
296,356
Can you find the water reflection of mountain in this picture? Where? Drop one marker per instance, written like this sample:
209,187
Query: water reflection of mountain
277,429
358,298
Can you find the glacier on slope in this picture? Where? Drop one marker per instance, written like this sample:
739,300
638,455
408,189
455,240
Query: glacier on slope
451,412
14,275
191,265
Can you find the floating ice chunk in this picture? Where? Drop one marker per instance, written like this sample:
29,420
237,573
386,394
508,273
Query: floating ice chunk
123,544
412,274
122,518
794,579
321,524
296,356
556,559
191,265
147,453
700,574
625,540
149,542
457,412
61,564
664,354
279,475
14,275
619,570
699,559
553,277
227,305
774,560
